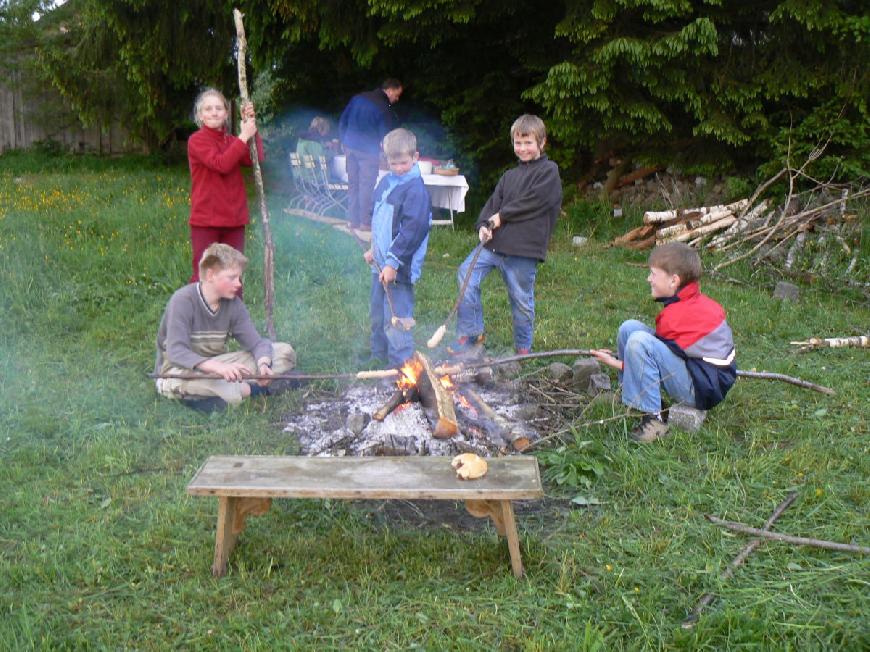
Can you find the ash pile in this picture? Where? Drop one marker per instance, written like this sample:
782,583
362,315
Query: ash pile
424,412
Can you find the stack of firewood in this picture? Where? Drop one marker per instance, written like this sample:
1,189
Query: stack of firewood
690,225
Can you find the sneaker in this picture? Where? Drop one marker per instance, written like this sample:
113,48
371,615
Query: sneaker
523,351
467,347
650,429
206,404
258,390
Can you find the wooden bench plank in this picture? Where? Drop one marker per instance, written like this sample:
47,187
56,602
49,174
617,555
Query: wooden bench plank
408,478
246,484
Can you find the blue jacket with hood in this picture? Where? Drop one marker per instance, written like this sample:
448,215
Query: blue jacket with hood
401,219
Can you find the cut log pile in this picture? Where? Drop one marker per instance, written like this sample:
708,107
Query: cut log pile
807,231
682,225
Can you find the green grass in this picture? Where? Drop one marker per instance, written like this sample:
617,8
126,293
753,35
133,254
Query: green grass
100,547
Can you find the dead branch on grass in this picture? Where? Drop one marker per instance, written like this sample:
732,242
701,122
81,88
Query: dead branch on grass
786,538
707,598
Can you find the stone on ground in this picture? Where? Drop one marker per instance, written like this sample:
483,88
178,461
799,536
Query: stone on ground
686,418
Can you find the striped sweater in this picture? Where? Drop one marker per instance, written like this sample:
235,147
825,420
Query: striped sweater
190,332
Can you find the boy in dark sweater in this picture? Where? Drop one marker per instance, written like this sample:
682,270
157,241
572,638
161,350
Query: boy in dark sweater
690,353
514,229
198,322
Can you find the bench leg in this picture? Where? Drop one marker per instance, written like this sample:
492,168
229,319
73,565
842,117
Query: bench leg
513,539
502,514
232,513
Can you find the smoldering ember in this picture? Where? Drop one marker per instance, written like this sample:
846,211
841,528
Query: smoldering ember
484,410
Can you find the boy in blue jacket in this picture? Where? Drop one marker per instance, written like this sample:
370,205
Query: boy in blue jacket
401,218
690,353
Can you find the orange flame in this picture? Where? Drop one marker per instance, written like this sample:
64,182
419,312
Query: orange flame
447,382
465,404
409,373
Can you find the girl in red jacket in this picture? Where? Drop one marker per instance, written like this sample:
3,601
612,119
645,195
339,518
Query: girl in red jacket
218,203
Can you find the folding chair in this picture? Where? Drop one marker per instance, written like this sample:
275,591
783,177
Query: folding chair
305,197
335,190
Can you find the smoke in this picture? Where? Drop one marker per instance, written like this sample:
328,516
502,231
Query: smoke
322,284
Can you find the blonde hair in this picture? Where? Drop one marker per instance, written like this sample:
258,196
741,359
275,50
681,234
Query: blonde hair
529,125
677,258
400,141
219,256
320,125
200,100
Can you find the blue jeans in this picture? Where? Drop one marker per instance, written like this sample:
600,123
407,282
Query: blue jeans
388,342
519,274
649,365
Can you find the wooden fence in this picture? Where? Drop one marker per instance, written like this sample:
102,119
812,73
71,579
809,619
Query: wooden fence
24,121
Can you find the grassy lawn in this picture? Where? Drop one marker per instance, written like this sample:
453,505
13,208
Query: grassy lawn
100,547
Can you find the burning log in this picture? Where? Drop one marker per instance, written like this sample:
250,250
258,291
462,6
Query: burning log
436,399
396,399
509,434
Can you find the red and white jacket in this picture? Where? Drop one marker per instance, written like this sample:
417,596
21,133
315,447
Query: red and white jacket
694,328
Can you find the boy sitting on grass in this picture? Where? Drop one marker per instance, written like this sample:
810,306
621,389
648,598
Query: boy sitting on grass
690,353
196,326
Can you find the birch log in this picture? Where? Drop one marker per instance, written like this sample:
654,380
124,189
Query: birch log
269,247
656,217
701,230
857,341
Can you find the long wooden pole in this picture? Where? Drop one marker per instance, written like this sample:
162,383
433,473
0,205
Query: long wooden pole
269,252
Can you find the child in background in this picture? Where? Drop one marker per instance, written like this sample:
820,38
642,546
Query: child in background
690,353
514,228
315,141
401,219
218,203
198,322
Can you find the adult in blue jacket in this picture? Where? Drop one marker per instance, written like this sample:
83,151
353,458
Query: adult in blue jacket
366,119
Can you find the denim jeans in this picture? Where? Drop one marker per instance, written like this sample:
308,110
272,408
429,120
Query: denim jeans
519,274
649,364
388,342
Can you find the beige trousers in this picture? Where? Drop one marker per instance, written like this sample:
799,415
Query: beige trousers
283,360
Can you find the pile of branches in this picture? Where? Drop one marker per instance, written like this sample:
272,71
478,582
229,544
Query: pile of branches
813,231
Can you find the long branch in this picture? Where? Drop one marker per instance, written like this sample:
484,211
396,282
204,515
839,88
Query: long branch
786,538
707,598
770,375
268,245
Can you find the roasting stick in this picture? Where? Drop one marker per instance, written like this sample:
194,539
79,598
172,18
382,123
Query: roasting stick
404,323
436,338
453,369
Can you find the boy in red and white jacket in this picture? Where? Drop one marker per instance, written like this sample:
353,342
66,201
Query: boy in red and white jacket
690,353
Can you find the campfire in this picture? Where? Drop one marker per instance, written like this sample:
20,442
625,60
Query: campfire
426,412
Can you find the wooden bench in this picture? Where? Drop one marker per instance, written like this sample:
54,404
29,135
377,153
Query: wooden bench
246,484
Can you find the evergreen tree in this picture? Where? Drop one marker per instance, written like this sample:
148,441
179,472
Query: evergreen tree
722,82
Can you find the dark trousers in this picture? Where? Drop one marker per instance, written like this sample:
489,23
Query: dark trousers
362,173
202,236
